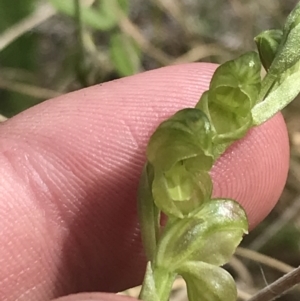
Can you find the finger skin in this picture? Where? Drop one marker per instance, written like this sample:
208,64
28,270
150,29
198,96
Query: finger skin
94,297
70,170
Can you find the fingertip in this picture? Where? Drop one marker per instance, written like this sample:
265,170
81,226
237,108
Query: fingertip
83,157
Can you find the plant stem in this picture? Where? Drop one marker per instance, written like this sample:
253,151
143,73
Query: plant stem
279,287
164,282
266,85
157,284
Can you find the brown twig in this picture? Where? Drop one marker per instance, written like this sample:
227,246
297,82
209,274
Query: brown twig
279,287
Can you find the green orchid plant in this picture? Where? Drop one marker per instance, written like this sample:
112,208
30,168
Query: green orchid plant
201,233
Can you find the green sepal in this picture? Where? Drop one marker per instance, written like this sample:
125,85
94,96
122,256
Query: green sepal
227,126
186,135
207,282
149,214
180,151
267,43
179,192
233,92
242,76
194,239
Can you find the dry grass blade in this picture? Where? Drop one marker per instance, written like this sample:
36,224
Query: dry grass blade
264,259
243,295
37,92
288,215
2,118
199,52
41,14
241,270
174,9
133,31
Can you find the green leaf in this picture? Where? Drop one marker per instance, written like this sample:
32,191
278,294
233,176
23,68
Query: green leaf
287,54
194,239
90,16
267,44
284,90
108,9
281,84
206,282
124,5
149,215
125,54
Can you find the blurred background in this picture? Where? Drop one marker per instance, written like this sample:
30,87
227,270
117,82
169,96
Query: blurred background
50,47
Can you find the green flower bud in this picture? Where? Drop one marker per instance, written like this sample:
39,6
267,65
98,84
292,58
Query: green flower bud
180,151
267,44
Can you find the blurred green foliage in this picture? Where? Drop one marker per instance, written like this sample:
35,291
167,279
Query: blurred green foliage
20,54
100,17
115,38
123,53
